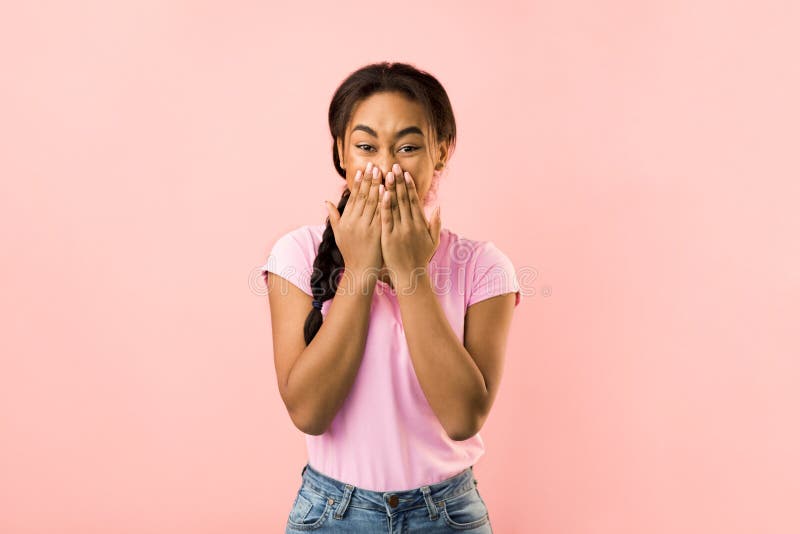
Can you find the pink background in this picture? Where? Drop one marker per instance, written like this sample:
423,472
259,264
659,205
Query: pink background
636,160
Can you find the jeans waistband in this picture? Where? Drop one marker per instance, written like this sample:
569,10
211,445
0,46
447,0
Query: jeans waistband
346,494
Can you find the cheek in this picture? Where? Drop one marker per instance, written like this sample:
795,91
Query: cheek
422,187
418,170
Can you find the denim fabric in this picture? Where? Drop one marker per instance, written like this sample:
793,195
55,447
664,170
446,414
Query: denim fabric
324,504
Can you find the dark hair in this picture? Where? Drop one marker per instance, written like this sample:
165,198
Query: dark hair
417,85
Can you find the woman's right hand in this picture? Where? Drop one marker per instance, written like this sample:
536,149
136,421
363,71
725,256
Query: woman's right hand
358,229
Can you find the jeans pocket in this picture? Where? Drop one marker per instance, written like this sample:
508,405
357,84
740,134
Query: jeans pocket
465,511
309,510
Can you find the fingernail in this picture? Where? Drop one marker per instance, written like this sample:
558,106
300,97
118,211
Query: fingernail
358,175
407,176
369,166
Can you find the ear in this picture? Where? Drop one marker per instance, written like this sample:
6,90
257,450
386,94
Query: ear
443,152
339,152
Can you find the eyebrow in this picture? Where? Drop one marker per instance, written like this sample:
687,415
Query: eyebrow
401,133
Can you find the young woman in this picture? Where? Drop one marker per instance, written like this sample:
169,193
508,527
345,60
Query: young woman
389,331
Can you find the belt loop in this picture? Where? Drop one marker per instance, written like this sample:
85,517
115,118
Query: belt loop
433,512
348,491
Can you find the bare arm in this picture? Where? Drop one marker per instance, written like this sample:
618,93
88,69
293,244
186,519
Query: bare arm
459,380
314,380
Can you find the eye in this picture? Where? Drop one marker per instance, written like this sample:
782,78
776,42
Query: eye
366,147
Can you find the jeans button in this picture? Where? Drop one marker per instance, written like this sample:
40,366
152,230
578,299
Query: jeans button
393,500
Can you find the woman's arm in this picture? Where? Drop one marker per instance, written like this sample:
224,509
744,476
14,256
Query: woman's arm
460,381
314,380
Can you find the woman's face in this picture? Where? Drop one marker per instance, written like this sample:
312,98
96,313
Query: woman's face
388,128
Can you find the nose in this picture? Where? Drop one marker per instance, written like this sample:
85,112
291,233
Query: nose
385,166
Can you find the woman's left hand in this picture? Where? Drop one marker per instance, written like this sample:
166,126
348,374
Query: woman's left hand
408,238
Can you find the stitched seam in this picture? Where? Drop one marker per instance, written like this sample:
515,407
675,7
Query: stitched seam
318,491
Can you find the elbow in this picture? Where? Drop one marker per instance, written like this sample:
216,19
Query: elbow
305,416
460,436
464,431
314,430
468,426
308,425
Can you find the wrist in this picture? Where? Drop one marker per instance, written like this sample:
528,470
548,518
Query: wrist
408,280
358,279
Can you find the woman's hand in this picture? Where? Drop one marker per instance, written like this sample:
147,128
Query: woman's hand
408,238
358,229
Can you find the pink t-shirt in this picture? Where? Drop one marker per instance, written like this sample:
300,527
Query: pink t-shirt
386,437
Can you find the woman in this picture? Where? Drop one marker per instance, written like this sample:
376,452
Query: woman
404,323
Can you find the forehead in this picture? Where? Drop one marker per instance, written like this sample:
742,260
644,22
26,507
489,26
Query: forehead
388,112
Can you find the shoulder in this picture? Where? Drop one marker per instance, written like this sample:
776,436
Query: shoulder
488,270
293,252
468,252
301,241
306,234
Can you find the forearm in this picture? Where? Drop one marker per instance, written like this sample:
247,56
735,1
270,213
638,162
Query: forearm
325,371
452,382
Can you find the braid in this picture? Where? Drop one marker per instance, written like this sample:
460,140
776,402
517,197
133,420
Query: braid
325,275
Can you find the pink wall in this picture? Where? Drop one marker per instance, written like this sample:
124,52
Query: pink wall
639,157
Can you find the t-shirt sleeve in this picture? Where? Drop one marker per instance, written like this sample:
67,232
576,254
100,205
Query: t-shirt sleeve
292,257
494,274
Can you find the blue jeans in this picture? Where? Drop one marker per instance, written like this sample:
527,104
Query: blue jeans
325,504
